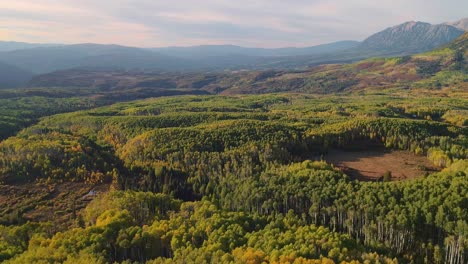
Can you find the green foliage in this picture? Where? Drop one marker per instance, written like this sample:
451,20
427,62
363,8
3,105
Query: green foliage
198,233
21,111
44,155
248,159
15,239
144,207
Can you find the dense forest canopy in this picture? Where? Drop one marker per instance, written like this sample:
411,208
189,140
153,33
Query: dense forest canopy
242,178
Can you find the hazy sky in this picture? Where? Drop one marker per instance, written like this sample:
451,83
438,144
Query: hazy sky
256,23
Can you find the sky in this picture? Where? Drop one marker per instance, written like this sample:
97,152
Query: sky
251,23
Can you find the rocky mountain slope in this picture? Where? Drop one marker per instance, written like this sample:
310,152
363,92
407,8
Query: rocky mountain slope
411,37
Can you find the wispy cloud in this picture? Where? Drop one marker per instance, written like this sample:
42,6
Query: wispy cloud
267,23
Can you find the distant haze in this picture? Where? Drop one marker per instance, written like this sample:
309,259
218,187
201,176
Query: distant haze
258,23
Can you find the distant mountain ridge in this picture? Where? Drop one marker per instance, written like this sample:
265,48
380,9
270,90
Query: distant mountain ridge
404,39
40,60
226,50
13,45
411,37
48,59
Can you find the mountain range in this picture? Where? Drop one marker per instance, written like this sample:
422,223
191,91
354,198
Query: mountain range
227,50
22,60
445,66
14,45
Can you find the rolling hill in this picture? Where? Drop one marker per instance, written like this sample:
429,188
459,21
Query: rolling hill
443,67
12,76
42,60
48,59
205,51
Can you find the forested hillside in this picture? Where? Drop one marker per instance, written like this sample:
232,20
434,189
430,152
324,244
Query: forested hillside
440,72
20,108
238,179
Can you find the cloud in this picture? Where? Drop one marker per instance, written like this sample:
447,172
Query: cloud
266,23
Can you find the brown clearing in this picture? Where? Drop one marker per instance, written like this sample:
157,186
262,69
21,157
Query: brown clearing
371,165
47,202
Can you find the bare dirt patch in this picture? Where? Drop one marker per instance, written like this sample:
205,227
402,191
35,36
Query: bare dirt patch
371,165
38,202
